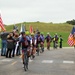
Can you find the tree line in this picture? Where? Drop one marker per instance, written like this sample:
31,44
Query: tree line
71,22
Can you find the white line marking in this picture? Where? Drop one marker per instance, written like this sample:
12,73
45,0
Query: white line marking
29,60
7,60
14,63
68,62
47,61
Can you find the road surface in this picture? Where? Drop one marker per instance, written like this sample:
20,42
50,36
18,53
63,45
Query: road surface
53,62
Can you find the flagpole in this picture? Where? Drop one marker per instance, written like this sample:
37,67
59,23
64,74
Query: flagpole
25,26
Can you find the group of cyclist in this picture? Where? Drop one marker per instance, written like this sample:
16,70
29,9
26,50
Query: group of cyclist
33,42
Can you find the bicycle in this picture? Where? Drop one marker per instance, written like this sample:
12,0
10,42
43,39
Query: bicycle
56,44
48,45
42,48
38,49
32,55
26,60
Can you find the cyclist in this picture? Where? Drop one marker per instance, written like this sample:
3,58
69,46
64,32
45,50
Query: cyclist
48,40
33,44
25,44
55,40
42,41
39,39
29,39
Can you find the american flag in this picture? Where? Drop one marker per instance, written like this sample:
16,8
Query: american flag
70,38
1,24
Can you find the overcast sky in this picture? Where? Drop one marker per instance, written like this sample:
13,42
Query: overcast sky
56,11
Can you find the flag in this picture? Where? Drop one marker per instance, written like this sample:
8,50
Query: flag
70,38
25,27
22,28
1,24
31,29
15,28
0,28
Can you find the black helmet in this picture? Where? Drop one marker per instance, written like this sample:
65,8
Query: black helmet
38,32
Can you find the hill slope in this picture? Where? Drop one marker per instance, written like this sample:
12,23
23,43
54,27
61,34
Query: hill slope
62,28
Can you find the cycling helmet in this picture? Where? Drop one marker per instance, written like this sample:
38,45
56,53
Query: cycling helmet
38,32
48,33
27,32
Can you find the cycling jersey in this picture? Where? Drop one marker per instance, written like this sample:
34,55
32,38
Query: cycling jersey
39,39
42,37
25,42
48,38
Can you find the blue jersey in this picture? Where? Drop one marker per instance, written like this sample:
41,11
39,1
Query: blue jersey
42,38
33,40
56,38
25,42
48,38
39,39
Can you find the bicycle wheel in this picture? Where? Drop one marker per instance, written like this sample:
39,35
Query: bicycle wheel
38,51
25,62
42,49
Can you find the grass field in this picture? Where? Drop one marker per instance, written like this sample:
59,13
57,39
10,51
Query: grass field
61,29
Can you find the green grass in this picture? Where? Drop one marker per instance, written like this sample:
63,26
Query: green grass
63,29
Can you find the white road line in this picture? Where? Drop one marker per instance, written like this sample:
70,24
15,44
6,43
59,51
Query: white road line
6,60
29,60
53,61
47,61
14,63
68,62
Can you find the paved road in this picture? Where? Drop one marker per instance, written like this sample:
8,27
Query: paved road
53,62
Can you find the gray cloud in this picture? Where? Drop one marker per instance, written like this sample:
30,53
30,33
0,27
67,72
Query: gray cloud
14,11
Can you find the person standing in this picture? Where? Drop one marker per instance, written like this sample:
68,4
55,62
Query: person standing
60,41
3,36
10,45
16,39
18,45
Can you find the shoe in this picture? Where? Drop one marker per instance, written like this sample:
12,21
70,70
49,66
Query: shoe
33,56
12,55
17,54
9,57
23,62
1,54
6,56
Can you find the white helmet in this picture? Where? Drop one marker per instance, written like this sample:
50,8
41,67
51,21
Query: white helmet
48,33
